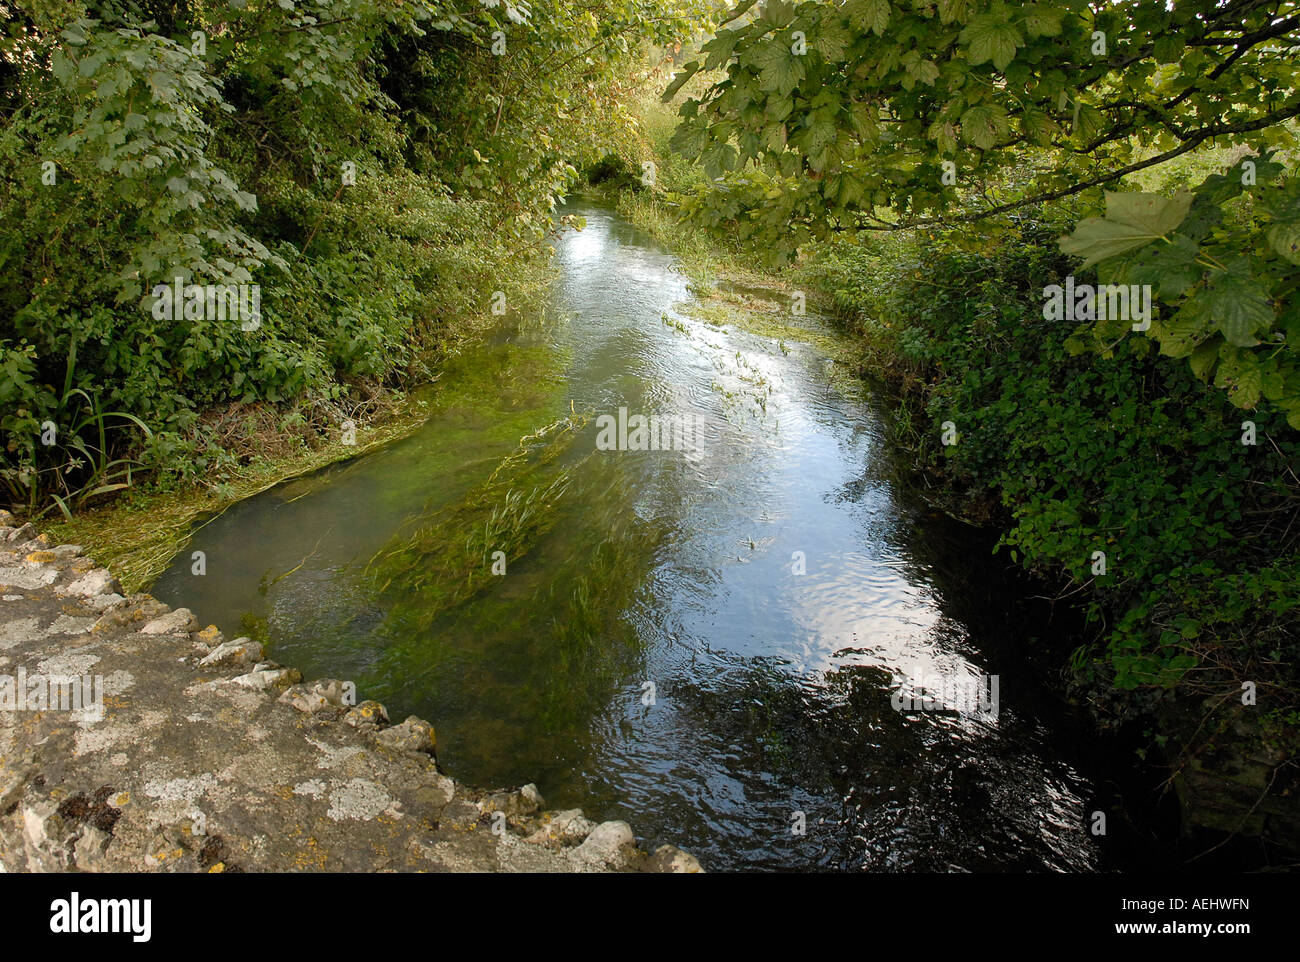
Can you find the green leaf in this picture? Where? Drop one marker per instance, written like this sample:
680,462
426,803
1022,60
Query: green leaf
984,125
924,71
1089,123
1240,374
777,12
1131,221
950,10
869,15
1096,239
944,134
991,37
1042,21
1169,48
779,70
1284,237
682,76
63,68
1274,381
75,32
1180,334
1170,268
1151,212
1238,305
833,39
1203,357
1038,125
720,49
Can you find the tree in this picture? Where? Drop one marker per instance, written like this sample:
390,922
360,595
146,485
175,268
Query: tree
374,168
898,114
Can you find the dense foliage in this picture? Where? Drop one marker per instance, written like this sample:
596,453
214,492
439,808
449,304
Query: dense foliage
1128,455
872,114
377,167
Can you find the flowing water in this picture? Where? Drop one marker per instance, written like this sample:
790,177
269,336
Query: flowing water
704,642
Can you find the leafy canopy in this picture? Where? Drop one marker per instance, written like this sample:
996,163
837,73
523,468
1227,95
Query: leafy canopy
896,114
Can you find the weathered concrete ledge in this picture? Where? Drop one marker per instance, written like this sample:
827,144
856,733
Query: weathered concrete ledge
205,757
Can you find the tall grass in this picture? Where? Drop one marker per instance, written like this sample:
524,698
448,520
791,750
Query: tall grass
69,458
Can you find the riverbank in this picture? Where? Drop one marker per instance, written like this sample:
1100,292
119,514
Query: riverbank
949,340
196,754
1134,493
141,531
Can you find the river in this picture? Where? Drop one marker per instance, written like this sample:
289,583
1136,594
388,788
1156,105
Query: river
706,642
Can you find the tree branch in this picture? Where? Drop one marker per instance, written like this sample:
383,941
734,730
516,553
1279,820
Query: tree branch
1193,141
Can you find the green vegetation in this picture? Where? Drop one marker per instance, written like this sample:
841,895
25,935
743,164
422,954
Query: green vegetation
1129,455
513,508
378,168
455,622
385,173
871,115
929,171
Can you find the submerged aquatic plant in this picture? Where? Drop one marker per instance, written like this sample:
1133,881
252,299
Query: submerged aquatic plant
447,555
550,647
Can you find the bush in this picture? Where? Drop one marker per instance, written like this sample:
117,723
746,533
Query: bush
1125,453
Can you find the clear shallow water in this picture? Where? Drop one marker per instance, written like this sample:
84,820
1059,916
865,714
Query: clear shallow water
772,690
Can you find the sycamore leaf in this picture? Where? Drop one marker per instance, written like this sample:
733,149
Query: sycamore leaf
869,15
1238,305
1042,21
720,49
944,134
950,10
1180,334
1274,382
833,39
64,69
924,71
1096,239
1203,357
75,33
683,75
984,125
863,118
1038,125
1153,212
1240,374
1169,48
1284,236
1088,122
1170,268
777,12
779,69
1292,409
991,37
1131,221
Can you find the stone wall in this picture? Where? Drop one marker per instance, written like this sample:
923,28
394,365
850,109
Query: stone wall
197,754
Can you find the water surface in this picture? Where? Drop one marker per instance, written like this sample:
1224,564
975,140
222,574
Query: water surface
704,643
